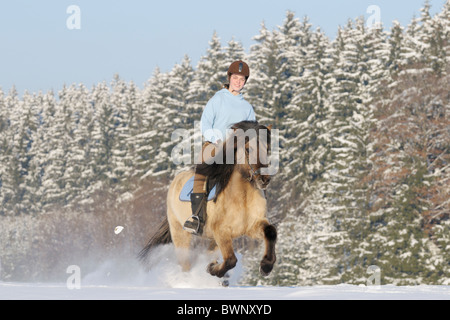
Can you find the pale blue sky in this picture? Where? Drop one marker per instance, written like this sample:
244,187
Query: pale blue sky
133,37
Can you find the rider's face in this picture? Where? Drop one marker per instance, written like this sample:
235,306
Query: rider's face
237,82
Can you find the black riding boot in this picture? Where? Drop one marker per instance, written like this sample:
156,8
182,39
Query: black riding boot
196,222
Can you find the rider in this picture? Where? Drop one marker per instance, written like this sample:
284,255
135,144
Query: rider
225,108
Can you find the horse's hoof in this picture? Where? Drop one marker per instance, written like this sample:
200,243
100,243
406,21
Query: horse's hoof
265,270
210,268
225,283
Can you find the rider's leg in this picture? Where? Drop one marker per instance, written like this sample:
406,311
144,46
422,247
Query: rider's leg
196,222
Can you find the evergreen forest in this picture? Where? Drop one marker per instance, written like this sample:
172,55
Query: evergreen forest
364,176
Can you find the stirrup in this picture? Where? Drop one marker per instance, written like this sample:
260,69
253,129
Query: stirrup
192,226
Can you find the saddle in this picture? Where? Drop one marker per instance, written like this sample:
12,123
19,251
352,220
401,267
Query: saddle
185,194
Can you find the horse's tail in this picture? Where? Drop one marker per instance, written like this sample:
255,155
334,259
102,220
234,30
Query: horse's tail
162,236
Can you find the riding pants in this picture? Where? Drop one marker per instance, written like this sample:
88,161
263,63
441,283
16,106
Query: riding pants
208,152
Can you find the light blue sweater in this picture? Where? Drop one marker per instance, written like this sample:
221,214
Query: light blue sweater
221,112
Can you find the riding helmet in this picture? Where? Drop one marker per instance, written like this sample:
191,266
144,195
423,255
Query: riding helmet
239,67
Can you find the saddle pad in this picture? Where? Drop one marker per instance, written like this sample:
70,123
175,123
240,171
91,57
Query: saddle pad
188,187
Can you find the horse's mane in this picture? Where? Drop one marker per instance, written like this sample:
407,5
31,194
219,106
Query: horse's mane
220,174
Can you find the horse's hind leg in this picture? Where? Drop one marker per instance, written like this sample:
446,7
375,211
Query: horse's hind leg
269,258
182,251
225,243
182,242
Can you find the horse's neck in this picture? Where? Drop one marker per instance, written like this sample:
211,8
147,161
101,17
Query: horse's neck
239,185
244,196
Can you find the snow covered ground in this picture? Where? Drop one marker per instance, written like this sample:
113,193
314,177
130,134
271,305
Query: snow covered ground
25,291
126,279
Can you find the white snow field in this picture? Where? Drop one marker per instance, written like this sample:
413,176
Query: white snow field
125,279
41,291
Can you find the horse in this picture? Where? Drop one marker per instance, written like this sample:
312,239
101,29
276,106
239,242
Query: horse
238,209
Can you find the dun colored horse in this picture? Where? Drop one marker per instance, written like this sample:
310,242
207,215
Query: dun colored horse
239,206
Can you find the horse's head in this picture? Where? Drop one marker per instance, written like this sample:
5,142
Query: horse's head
252,148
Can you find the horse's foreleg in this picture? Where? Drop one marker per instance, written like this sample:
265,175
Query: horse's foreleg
269,258
212,246
225,244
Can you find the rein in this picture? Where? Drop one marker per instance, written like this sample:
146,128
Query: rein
252,172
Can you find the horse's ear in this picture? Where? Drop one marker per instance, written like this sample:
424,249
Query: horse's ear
269,127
